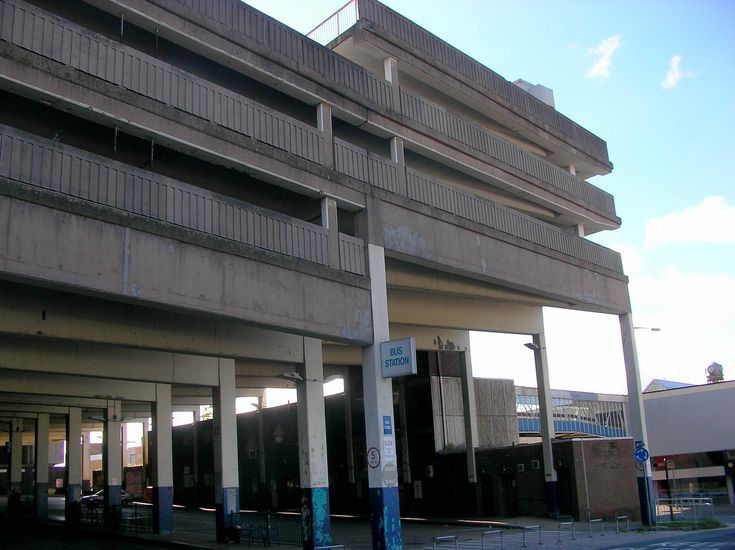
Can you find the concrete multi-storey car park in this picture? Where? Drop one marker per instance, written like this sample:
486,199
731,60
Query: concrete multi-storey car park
196,199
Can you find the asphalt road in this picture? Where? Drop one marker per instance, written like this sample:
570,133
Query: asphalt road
717,539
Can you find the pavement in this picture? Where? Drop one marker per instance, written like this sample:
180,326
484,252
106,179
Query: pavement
196,529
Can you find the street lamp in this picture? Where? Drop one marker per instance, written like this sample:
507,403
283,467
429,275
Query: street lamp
652,329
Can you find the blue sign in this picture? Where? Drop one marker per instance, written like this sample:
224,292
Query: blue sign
641,454
387,426
639,445
398,357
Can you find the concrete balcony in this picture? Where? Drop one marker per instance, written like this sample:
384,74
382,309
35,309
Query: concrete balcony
236,22
102,182
393,34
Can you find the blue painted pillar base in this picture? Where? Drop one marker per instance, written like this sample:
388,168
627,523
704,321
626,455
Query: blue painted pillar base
645,490
227,515
316,525
73,505
113,506
163,510
552,498
41,501
385,518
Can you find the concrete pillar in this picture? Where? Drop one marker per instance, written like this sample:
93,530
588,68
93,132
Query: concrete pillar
16,455
405,455
471,438
572,169
379,422
350,448
41,500
329,222
730,491
73,481
546,414
112,463
86,474
636,417
324,124
226,475
397,155
195,453
390,66
162,471
315,521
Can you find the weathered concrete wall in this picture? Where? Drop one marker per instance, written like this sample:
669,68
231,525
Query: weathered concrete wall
45,246
435,241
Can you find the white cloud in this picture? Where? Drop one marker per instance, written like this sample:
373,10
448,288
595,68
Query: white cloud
632,258
711,221
603,52
675,74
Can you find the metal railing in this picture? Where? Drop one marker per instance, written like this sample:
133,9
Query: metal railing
684,509
446,539
334,25
618,521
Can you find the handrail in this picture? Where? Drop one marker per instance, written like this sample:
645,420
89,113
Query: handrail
337,23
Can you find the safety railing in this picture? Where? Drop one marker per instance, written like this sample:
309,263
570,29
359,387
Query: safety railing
490,536
432,192
58,168
619,520
447,124
437,52
447,539
365,166
598,521
334,25
271,528
38,31
684,509
276,41
564,526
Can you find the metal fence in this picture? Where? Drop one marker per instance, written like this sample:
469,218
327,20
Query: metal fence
335,24
267,528
684,509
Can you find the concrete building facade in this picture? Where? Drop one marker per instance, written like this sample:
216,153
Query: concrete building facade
196,199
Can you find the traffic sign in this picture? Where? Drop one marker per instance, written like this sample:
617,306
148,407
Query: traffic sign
641,454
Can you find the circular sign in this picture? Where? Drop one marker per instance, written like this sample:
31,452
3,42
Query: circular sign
373,457
390,475
641,455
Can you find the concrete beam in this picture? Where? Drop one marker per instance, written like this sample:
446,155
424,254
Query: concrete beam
87,359
116,263
33,311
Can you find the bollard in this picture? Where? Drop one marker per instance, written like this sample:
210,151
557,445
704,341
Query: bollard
491,533
531,528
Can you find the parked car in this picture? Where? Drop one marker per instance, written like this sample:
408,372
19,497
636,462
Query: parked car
96,499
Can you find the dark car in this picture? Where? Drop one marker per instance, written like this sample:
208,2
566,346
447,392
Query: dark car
96,499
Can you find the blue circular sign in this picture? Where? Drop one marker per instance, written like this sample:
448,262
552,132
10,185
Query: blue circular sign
641,455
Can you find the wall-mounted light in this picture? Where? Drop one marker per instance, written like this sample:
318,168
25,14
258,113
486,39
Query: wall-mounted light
532,346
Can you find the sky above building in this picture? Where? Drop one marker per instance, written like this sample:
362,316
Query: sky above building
656,80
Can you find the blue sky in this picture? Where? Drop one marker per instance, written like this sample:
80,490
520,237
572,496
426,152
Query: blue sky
674,154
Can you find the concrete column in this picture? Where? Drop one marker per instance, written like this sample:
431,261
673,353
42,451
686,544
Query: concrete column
405,455
41,500
73,481
162,471
390,65
397,155
379,422
226,475
16,455
636,417
572,169
471,438
195,453
315,521
546,413
730,491
86,474
324,124
112,463
329,222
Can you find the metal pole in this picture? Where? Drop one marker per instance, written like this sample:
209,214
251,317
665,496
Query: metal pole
586,487
668,488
